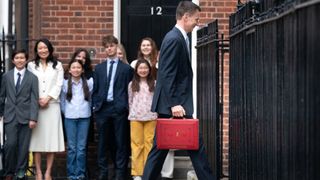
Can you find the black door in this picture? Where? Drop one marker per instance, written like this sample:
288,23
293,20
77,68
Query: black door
145,18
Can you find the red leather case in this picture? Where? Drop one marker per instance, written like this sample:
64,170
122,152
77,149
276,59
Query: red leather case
177,134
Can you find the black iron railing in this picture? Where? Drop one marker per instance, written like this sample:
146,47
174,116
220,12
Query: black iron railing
210,51
9,43
275,91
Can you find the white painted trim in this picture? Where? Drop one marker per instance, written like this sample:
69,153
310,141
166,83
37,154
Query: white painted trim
117,19
194,64
4,15
4,23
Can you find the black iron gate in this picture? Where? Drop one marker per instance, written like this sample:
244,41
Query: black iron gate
16,35
210,53
275,91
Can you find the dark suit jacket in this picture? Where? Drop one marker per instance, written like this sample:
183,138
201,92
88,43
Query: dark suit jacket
174,78
123,76
22,105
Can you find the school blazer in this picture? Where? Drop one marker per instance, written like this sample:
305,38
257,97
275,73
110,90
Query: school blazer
22,105
123,76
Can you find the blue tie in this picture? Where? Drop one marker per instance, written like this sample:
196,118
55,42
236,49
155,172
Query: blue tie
188,45
109,76
18,82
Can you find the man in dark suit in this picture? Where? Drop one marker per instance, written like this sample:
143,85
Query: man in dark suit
19,108
110,104
173,93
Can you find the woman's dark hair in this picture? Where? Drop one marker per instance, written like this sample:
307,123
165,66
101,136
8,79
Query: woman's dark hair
88,72
50,58
136,78
84,82
153,55
19,51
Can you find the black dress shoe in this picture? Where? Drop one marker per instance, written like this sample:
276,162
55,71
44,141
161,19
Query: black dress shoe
120,178
20,175
9,177
103,177
21,178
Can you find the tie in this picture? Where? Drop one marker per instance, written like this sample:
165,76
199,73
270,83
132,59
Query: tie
188,45
109,75
18,82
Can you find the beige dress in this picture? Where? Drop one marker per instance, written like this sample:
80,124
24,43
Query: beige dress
47,136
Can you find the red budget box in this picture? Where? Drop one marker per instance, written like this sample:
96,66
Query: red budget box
177,134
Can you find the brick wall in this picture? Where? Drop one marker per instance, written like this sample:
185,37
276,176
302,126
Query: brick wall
221,9
71,24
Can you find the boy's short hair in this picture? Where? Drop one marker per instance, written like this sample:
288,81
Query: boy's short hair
109,40
19,51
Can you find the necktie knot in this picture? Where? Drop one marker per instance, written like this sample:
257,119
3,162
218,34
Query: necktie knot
18,74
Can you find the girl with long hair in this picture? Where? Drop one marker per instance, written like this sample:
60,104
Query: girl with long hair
75,104
142,120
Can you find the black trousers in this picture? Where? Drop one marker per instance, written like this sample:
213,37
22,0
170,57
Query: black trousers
16,147
108,118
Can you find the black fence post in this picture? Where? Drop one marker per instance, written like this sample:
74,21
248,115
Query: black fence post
210,52
3,56
274,90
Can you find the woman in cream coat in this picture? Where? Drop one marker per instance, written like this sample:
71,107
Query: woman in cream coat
48,135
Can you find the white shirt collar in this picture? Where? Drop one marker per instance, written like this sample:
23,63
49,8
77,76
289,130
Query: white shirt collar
21,71
184,33
115,60
76,82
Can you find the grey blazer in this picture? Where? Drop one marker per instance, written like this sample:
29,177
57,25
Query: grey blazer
22,105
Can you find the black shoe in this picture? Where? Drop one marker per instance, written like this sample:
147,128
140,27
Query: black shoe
21,178
119,178
165,178
20,174
103,177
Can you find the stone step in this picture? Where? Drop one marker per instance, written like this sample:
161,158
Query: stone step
182,164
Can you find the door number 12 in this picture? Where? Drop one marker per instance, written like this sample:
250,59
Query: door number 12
156,10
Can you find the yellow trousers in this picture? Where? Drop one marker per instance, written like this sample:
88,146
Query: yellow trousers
141,133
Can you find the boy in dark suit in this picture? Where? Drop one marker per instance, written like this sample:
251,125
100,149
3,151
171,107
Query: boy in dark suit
19,108
110,104
173,93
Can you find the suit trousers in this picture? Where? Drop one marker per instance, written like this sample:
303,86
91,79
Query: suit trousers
107,117
16,147
141,134
157,157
